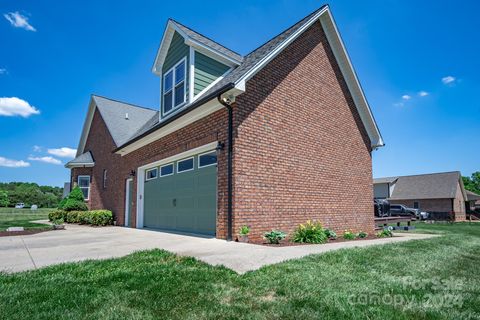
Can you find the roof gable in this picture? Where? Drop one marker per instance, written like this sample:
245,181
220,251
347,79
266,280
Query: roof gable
427,186
122,120
192,38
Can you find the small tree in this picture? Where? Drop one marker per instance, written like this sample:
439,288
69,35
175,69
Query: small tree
74,201
4,199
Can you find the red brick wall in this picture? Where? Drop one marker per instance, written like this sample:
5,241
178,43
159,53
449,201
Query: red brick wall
301,151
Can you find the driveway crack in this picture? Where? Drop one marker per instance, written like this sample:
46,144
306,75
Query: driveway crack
28,251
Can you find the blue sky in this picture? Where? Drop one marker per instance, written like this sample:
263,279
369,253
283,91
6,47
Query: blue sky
417,62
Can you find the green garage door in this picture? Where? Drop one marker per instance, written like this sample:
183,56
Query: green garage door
182,195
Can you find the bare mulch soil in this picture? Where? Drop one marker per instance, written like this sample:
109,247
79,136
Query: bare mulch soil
287,243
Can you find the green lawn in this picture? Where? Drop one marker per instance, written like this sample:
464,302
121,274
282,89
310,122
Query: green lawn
424,279
10,217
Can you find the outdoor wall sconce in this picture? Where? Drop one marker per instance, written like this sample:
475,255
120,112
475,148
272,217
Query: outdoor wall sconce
220,146
132,173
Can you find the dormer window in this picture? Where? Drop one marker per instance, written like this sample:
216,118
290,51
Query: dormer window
174,87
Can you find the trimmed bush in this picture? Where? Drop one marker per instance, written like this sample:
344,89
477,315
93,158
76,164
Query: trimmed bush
310,232
57,215
62,202
274,236
73,216
349,235
75,205
385,233
362,235
76,194
100,217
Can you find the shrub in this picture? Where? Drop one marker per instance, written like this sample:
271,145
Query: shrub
58,222
244,231
74,205
56,215
274,236
73,216
76,194
349,235
330,234
387,232
362,235
62,202
100,217
310,232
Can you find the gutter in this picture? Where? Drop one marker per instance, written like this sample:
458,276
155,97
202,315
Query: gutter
193,106
228,104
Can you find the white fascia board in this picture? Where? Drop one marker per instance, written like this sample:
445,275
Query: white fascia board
199,95
163,48
338,48
80,165
86,127
192,116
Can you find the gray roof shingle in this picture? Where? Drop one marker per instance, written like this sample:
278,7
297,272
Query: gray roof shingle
248,62
384,180
114,114
427,186
208,42
84,158
471,196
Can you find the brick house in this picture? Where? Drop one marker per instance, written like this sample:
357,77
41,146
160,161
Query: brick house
264,140
440,194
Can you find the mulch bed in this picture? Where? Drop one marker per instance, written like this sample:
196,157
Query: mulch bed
22,233
286,243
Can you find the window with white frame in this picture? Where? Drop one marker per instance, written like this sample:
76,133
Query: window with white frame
166,170
185,165
84,185
174,87
207,159
151,174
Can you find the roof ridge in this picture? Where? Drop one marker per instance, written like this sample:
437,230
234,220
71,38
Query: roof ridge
285,30
127,103
430,174
175,21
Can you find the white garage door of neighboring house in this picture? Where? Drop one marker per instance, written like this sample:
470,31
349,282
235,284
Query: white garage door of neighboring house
182,195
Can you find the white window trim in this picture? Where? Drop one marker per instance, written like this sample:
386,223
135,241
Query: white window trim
193,167
166,165
89,182
208,165
146,174
172,69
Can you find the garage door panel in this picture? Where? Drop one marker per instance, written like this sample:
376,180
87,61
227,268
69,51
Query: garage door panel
185,201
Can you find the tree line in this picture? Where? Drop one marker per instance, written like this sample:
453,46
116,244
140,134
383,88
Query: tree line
12,193
472,183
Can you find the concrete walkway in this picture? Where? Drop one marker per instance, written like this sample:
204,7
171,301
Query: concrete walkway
77,243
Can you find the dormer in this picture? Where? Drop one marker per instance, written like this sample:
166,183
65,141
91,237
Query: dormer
188,64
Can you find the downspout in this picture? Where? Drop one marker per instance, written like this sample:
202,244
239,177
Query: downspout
227,104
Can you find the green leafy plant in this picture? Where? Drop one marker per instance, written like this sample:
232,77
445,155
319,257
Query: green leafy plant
349,235
62,202
75,205
310,232
362,235
244,231
76,194
73,216
58,222
57,214
385,233
274,236
100,217
332,235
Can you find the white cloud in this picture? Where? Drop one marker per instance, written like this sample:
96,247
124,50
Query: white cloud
16,107
398,104
63,152
423,93
4,162
448,79
3,71
47,159
406,97
19,21
37,148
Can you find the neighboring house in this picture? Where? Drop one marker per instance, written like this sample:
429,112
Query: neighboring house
437,193
473,201
290,116
66,189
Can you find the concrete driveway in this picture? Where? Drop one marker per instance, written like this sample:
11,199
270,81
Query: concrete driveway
77,243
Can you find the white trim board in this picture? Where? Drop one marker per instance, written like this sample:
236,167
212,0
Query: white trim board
141,174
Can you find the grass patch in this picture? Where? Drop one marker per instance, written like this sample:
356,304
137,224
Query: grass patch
10,217
344,284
